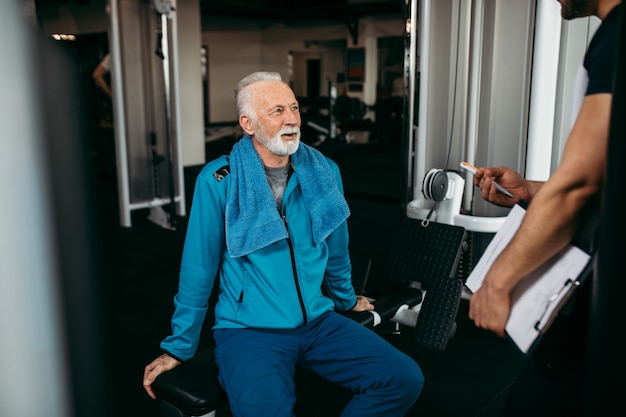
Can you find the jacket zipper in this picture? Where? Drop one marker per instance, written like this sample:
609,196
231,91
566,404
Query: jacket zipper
293,267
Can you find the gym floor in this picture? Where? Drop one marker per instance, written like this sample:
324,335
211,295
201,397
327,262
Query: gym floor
140,267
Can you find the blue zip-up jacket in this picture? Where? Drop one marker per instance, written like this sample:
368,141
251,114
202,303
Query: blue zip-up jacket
281,286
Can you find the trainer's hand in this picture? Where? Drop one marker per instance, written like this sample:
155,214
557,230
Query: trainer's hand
490,308
362,304
506,177
161,364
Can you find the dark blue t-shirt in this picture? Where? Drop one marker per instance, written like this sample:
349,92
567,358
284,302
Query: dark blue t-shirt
601,55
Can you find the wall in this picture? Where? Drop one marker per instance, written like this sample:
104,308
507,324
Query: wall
234,54
190,79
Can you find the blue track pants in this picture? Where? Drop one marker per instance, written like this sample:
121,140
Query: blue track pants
256,367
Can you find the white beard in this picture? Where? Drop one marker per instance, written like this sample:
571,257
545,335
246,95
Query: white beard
276,145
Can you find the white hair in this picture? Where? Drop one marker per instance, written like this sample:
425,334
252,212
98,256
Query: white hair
243,95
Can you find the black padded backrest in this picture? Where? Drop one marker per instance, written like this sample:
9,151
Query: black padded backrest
426,252
429,253
360,272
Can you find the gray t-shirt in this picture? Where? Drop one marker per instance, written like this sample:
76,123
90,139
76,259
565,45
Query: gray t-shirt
277,178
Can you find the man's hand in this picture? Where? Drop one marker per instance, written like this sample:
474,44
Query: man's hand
490,308
362,304
508,178
161,364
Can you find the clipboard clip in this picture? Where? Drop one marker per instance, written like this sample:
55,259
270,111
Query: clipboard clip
568,286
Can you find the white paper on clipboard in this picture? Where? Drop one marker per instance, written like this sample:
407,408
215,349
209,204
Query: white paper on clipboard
539,296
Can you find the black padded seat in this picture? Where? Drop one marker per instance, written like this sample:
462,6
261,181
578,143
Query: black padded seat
192,387
364,317
388,306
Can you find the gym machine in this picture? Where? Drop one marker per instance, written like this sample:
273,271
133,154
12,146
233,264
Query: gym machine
147,137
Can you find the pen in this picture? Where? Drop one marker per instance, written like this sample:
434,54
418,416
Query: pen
471,168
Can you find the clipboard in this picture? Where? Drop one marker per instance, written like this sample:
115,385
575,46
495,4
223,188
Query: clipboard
538,298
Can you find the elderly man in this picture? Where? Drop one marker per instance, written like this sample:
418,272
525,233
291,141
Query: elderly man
269,220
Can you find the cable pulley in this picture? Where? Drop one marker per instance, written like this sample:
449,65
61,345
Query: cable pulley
435,185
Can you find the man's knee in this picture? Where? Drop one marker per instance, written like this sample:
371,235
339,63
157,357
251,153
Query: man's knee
409,378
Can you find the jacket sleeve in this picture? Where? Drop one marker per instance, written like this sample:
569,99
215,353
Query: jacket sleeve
202,250
338,278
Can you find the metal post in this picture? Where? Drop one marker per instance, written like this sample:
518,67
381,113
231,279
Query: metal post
474,97
119,118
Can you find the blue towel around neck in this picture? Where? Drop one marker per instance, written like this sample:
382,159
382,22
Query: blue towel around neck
252,219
